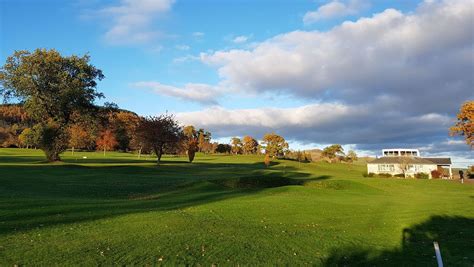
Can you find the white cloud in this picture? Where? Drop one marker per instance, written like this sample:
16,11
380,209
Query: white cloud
334,9
194,92
185,58
183,47
132,20
265,118
198,34
157,49
240,39
414,60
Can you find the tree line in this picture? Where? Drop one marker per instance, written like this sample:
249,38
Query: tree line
113,129
58,110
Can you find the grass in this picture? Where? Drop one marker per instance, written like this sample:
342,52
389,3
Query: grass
224,210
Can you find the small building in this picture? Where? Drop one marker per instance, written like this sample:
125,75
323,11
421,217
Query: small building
407,162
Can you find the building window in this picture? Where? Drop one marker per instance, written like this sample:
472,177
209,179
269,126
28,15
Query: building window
386,168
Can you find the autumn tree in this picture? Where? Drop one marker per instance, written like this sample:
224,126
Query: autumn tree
333,151
204,140
52,87
351,156
79,137
274,145
3,136
250,145
267,160
28,138
106,141
159,133
190,141
236,145
124,124
465,123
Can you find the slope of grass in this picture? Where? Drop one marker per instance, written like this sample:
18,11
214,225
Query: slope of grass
225,210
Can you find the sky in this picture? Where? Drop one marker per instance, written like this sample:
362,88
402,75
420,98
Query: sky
365,74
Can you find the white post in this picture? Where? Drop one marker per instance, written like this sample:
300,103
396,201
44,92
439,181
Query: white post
438,254
450,173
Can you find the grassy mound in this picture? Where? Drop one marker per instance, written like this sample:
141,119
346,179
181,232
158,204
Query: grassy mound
257,181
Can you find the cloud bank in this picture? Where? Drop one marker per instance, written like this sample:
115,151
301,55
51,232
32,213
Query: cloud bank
391,79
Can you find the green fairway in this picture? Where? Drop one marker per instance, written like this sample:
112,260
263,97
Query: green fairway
224,210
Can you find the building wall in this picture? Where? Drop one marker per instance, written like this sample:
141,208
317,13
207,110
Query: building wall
394,169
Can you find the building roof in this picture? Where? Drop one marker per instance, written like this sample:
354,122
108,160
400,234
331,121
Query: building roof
440,161
412,160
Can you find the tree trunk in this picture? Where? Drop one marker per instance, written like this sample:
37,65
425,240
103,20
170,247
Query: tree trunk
159,153
52,156
104,151
139,152
72,151
191,154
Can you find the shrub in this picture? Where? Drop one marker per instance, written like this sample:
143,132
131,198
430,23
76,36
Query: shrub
422,175
370,174
400,175
436,174
385,175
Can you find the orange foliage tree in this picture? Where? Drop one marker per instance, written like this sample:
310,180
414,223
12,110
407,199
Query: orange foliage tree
78,137
106,141
465,123
250,145
191,141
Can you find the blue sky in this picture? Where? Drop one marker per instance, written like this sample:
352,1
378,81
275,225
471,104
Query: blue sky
72,27
318,72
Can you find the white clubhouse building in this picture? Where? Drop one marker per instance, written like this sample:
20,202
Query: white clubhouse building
399,161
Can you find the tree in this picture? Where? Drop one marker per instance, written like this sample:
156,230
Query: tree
29,138
223,148
106,141
53,88
159,133
236,145
190,141
3,136
79,137
124,124
465,123
333,151
204,140
267,160
351,156
404,165
250,145
275,145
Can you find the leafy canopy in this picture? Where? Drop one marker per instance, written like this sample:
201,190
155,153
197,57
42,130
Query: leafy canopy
465,123
51,85
159,133
275,145
55,90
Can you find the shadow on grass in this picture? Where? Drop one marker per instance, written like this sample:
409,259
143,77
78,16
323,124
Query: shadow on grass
455,236
33,196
